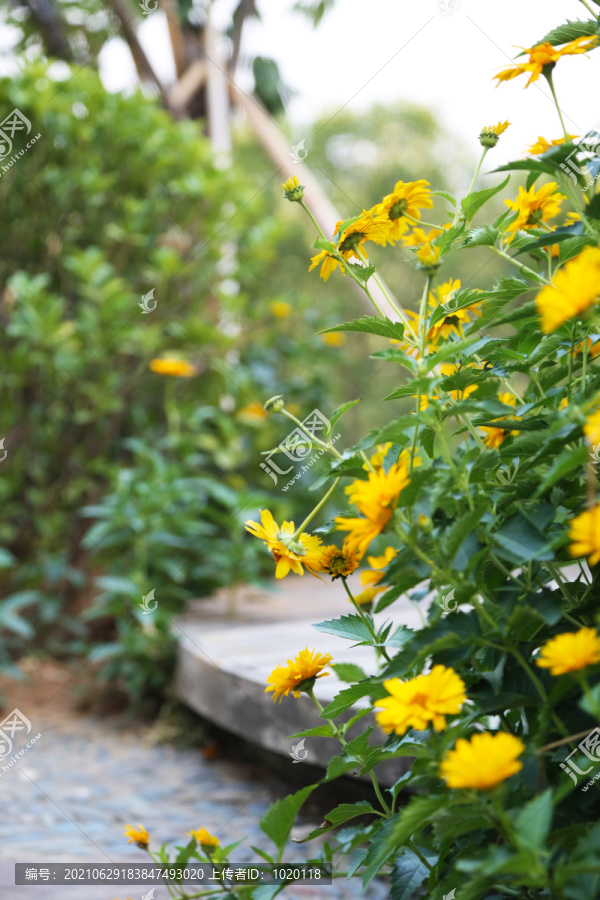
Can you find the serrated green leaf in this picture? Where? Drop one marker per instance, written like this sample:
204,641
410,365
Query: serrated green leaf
348,697
474,201
533,821
278,820
350,627
408,874
339,412
371,325
569,31
486,236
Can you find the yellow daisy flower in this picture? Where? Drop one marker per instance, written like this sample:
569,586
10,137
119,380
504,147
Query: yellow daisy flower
419,236
205,838
424,699
407,199
585,535
570,652
534,207
175,367
339,563
494,435
306,667
333,338
591,429
574,288
542,145
454,321
483,762
543,55
490,134
428,257
374,575
328,264
292,189
280,309
289,555
137,836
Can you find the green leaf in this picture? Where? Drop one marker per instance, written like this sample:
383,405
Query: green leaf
446,196
486,236
371,325
346,224
408,874
339,412
348,672
474,201
569,459
322,244
520,541
317,731
445,240
568,32
556,237
348,697
350,627
346,811
278,820
457,534
533,821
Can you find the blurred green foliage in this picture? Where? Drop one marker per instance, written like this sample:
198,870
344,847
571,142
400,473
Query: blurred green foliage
113,200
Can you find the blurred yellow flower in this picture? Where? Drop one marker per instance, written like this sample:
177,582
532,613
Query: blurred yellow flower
428,256
542,145
175,367
483,762
375,574
137,836
570,652
574,289
280,309
366,597
205,838
407,199
251,413
543,55
333,339
420,236
328,264
585,535
495,434
306,667
376,500
534,207
289,555
424,699
591,429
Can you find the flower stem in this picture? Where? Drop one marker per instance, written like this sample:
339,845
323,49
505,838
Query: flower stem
548,77
312,218
477,170
315,440
525,269
319,505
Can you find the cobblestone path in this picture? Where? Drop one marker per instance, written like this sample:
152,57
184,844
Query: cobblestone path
71,794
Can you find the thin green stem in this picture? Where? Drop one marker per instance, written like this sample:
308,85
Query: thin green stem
377,790
313,438
477,170
548,77
417,853
525,269
420,222
384,291
312,218
589,9
319,506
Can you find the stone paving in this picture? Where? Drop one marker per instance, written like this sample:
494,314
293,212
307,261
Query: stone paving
70,796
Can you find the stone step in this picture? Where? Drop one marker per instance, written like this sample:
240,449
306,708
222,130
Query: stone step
229,645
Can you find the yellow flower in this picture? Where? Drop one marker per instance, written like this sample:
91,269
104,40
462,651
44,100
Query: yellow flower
453,322
306,667
280,309
338,563
591,429
366,597
585,535
424,699
490,134
176,367
420,236
571,651
333,339
483,762
428,257
543,55
377,458
563,403
376,499
137,836
292,189
328,262
542,145
288,554
374,575
251,413
574,288
368,227
494,435
205,838
407,199
534,207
